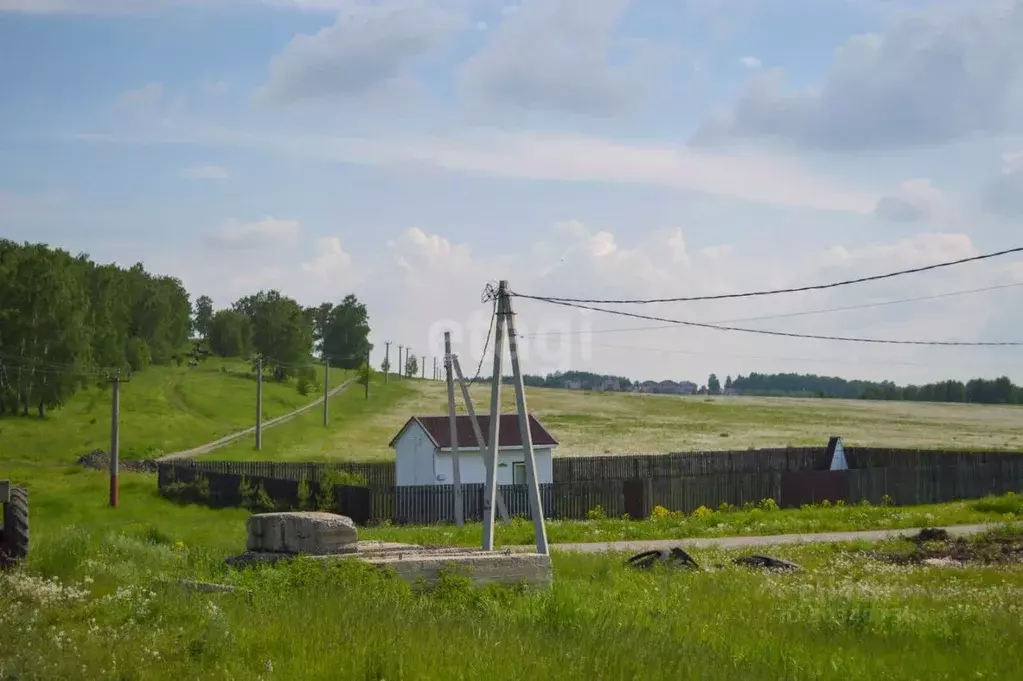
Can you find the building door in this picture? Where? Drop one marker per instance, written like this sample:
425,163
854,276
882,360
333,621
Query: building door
519,473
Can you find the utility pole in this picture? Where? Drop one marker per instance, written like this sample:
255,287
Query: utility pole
481,444
435,367
423,374
259,403
532,482
115,438
456,471
401,366
367,374
490,489
387,360
326,386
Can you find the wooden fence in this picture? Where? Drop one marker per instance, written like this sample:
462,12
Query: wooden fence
633,485
377,474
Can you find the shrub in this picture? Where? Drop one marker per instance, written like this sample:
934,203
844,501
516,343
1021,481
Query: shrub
264,502
331,478
596,513
247,493
304,493
662,513
137,353
768,504
304,385
703,512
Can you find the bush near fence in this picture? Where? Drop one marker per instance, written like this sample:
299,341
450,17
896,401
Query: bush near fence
632,485
265,494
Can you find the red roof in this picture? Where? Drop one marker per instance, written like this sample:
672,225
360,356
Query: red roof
438,428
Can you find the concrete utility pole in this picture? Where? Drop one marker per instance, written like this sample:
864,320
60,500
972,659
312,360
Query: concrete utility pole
326,386
259,403
387,360
401,366
481,444
490,489
435,368
367,374
532,482
456,471
423,374
115,438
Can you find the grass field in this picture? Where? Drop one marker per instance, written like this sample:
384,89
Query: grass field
100,604
163,409
611,423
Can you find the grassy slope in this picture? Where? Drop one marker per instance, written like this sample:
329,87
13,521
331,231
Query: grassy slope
163,409
352,422
595,423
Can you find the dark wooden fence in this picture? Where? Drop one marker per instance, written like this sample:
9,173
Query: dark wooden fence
225,490
377,474
633,485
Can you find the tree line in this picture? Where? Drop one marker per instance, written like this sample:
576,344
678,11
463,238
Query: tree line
978,390
67,322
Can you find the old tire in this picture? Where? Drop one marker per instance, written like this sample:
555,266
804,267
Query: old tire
14,536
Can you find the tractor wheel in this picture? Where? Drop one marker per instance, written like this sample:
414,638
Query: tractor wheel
14,536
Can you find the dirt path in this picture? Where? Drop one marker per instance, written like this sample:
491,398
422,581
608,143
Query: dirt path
741,542
228,439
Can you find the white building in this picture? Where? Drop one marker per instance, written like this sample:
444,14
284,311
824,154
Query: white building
422,450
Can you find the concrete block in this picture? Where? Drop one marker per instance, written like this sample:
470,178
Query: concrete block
302,532
482,567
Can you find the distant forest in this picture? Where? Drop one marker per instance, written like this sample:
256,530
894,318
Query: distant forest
67,322
981,391
978,390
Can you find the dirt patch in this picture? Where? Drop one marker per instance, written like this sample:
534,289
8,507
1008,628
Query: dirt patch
98,460
936,547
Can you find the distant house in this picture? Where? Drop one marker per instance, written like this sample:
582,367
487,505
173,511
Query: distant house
612,384
574,384
687,388
422,450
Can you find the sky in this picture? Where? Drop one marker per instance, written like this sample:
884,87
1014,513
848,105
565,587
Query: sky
413,151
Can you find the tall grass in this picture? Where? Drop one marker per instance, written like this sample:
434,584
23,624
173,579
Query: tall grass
116,612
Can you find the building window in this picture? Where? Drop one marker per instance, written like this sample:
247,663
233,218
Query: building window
519,473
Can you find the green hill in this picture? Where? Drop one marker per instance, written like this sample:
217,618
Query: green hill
163,409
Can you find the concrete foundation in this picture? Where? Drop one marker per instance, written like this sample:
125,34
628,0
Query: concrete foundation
424,565
416,564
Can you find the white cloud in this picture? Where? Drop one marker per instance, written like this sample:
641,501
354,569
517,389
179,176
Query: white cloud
331,262
147,6
143,99
750,62
1004,195
206,172
263,234
554,54
368,47
769,179
912,201
424,283
931,78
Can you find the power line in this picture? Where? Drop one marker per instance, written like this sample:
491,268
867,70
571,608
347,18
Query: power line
792,314
785,334
486,345
697,353
750,294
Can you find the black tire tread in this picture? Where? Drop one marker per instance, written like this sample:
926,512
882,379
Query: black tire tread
14,540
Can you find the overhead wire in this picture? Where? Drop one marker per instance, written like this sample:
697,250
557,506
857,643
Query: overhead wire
785,334
770,292
788,315
486,344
